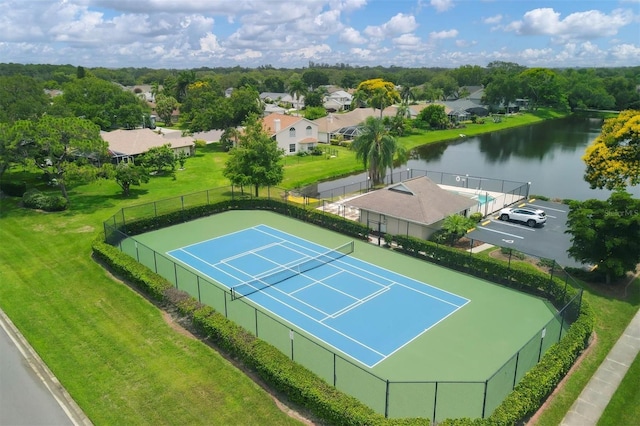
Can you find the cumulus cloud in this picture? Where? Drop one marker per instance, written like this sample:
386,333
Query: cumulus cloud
352,36
580,25
192,33
492,20
407,41
441,35
399,24
442,5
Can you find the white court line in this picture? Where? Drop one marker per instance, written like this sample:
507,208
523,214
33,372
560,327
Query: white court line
420,334
321,324
351,269
357,303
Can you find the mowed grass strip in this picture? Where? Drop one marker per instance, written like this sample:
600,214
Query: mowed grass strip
623,409
111,348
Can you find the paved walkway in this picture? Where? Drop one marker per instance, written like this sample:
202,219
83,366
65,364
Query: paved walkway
596,395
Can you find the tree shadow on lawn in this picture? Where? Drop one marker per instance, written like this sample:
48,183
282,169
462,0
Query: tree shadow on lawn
91,203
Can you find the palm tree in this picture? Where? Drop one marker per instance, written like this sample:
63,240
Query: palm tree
376,148
297,89
406,94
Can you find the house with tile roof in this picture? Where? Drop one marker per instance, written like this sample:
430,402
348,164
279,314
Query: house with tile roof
125,145
293,134
416,207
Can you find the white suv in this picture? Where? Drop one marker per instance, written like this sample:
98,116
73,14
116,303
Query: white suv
531,217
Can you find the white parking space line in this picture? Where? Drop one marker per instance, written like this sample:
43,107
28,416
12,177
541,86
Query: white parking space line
547,208
514,225
500,232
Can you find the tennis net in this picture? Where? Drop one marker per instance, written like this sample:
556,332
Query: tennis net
260,283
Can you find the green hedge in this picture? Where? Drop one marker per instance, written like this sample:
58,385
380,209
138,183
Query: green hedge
308,390
300,385
313,216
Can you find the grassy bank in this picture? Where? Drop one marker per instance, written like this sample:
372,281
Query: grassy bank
113,351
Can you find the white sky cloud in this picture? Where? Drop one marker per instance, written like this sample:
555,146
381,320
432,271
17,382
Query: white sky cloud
194,33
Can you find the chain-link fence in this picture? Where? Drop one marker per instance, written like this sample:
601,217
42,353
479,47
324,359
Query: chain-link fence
432,399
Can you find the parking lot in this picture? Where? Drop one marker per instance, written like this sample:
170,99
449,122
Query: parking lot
548,240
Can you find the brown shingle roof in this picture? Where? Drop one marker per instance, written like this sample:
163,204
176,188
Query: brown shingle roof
418,200
269,122
137,141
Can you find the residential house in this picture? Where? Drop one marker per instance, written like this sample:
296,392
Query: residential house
338,101
335,124
415,207
293,134
125,145
281,99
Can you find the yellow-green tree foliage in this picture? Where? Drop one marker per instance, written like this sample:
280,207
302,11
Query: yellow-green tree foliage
377,93
613,159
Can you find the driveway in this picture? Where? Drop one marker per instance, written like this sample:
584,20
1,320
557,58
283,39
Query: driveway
548,241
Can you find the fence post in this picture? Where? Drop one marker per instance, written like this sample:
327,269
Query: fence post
484,400
515,370
386,401
435,403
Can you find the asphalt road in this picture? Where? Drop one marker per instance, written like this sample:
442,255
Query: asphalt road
29,393
548,241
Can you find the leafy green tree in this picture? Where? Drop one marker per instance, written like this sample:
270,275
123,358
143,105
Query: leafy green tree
274,84
182,82
158,158
446,83
376,148
128,174
434,116
606,234
62,148
613,158
376,93
245,102
256,160
103,103
165,105
315,78
349,80
21,98
315,98
313,113
501,83
543,87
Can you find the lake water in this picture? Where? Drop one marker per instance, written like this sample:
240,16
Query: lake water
549,155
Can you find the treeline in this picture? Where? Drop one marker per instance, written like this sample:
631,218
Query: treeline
597,88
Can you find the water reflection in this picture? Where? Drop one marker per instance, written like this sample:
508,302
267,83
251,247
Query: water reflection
549,155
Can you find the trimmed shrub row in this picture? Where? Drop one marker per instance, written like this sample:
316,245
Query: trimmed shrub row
300,385
308,390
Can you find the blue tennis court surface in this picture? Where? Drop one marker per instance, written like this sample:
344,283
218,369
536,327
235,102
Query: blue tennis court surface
360,309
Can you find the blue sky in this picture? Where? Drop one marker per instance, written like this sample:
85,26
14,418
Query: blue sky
249,33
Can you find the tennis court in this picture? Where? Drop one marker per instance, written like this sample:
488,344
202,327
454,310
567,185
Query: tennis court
331,295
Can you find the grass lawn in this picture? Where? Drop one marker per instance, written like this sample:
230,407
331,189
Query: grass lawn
624,408
114,352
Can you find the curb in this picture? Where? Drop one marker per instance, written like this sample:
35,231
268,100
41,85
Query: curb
59,393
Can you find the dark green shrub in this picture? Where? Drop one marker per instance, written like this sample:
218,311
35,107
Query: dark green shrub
13,189
35,199
476,217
